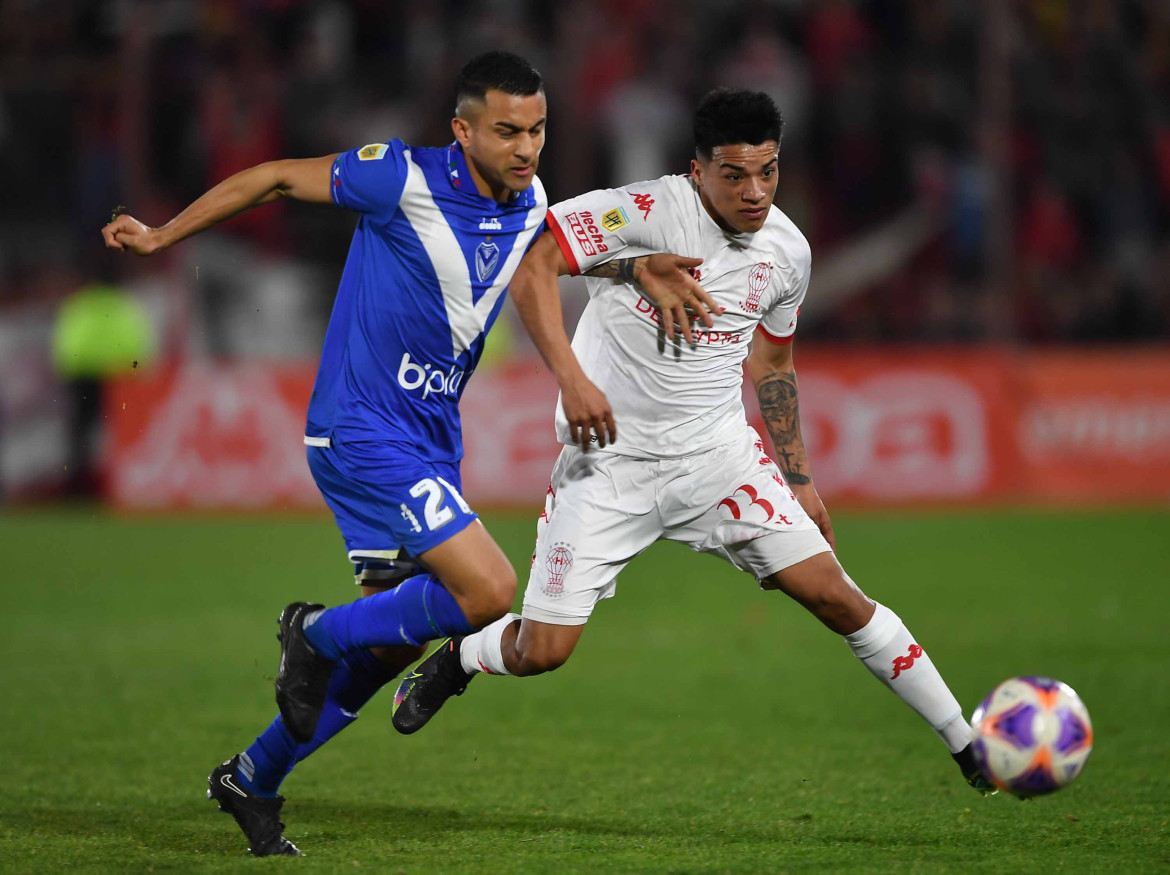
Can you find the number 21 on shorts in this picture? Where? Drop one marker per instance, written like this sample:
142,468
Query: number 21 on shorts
436,512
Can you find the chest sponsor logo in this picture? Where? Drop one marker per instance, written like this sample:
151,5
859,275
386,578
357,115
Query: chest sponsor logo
614,219
427,377
644,202
372,152
585,229
759,277
490,223
487,256
702,336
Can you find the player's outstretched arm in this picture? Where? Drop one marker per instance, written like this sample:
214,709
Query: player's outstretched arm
304,179
538,301
773,373
669,282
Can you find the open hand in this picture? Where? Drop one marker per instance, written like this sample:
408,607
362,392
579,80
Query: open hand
668,280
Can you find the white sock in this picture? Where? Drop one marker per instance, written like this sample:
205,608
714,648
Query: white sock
481,651
885,646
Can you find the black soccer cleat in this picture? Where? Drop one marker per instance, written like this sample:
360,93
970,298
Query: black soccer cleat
422,693
258,816
303,678
971,772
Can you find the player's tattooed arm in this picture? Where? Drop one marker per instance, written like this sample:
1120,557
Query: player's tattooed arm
779,403
669,283
624,269
773,373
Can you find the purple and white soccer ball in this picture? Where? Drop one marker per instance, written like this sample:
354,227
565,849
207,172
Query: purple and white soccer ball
1032,735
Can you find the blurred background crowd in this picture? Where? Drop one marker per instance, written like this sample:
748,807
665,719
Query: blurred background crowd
995,171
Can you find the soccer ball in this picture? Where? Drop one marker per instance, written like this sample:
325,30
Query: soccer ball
1032,735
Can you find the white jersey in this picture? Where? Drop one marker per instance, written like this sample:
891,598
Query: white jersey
675,400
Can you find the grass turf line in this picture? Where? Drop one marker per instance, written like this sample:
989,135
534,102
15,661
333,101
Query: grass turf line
702,726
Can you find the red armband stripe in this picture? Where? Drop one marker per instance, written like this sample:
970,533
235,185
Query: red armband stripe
563,242
772,338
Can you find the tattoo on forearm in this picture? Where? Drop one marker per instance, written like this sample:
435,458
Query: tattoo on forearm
619,269
778,404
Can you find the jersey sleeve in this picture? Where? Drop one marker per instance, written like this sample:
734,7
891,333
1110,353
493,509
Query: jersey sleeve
601,225
778,324
370,179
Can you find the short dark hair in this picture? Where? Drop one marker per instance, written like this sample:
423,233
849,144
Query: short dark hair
734,115
499,71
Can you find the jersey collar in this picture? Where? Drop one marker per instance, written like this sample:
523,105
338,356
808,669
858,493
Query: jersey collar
460,179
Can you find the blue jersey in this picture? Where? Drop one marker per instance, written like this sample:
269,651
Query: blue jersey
425,279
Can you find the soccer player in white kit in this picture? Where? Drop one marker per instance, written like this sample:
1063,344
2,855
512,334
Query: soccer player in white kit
686,466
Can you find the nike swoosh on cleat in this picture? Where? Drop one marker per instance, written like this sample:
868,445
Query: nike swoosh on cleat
227,781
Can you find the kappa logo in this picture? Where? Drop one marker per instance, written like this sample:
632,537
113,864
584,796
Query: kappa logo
644,202
557,564
905,663
491,223
614,219
759,277
372,152
487,256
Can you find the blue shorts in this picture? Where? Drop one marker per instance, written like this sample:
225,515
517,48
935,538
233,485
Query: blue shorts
390,506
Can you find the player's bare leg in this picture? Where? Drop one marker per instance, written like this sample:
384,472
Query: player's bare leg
508,646
877,637
476,572
530,647
821,585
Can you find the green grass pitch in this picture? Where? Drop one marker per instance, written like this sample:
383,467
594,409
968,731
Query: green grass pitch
702,726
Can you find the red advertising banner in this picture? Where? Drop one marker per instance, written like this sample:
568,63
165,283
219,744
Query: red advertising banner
211,437
1093,426
882,426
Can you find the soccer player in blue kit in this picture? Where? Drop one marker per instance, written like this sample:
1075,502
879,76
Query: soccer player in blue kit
440,234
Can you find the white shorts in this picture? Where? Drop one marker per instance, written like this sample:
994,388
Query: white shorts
603,509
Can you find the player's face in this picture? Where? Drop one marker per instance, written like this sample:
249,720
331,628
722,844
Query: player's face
738,184
502,136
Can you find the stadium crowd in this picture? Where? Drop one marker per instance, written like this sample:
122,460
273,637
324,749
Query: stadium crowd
889,106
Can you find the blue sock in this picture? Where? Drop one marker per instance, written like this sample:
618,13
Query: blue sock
417,610
274,752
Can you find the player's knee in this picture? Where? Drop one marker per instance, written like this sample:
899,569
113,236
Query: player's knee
843,608
541,659
492,598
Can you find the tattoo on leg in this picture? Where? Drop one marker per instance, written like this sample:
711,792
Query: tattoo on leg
778,404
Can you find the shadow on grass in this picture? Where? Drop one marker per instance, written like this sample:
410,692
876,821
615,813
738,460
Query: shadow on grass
191,828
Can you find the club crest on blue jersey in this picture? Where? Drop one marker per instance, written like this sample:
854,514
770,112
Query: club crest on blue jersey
487,256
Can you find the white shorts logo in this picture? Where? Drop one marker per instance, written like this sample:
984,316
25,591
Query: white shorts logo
557,564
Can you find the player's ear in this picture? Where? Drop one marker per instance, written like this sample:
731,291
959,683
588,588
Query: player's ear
696,170
461,127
